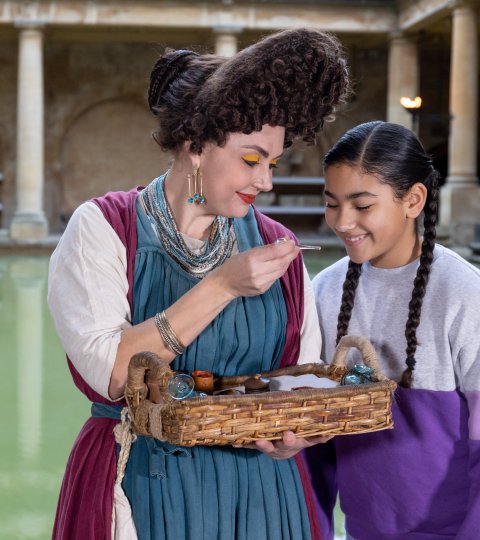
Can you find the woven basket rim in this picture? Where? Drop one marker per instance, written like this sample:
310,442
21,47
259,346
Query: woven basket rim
289,395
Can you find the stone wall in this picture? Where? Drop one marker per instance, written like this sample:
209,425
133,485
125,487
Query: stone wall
98,127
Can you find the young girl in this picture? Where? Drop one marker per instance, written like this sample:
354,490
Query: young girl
418,303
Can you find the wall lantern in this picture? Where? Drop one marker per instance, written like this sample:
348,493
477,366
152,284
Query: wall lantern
412,106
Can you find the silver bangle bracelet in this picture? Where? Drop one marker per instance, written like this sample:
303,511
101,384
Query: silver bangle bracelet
167,333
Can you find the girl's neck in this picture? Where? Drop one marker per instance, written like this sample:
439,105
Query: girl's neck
191,219
416,250
407,250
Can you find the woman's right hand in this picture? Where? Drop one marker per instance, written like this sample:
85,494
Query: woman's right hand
253,272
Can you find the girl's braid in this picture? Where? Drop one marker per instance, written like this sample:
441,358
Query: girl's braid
348,298
421,279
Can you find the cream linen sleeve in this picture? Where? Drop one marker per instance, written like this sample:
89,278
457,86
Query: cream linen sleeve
310,337
87,294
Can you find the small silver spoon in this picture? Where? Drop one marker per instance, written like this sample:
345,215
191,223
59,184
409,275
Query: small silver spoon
306,246
301,246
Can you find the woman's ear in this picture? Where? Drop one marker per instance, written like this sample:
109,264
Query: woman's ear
193,156
415,200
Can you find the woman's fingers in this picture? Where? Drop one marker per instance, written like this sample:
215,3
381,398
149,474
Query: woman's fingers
253,272
285,448
312,441
289,445
278,250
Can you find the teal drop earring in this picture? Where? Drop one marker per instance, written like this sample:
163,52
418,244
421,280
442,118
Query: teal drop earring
190,198
197,196
201,197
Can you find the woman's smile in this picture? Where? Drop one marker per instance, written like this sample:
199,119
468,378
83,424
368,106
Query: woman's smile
246,198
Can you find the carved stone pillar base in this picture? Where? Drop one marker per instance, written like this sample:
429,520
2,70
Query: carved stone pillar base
28,227
459,211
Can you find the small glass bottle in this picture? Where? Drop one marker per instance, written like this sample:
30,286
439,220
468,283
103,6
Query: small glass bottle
181,386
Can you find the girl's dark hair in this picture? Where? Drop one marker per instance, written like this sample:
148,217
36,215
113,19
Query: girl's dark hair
295,78
396,157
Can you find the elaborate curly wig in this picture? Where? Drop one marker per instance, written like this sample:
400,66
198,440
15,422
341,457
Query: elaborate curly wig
294,78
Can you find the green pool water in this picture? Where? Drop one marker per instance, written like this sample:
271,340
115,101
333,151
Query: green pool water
41,410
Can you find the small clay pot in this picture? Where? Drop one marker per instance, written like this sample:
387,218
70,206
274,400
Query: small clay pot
203,381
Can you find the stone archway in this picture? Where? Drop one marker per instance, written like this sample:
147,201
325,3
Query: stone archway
107,148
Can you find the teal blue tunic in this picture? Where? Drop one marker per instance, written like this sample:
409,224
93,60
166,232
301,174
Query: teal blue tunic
216,492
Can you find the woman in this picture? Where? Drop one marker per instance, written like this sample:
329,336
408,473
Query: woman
188,269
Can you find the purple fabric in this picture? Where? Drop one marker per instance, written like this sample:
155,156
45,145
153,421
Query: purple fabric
470,528
419,481
473,399
86,498
120,211
471,524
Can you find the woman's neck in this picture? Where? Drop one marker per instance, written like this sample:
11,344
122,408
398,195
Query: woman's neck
191,219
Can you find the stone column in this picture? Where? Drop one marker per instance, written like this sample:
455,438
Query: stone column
29,222
460,196
226,41
403,77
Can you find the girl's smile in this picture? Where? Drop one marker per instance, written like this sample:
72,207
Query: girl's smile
354,241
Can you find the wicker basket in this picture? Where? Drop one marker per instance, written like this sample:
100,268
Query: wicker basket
232,419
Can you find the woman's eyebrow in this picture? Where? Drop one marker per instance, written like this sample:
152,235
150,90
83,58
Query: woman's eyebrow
260,150
351,196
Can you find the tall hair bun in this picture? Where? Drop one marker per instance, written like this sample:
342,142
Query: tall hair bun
165,71
294,78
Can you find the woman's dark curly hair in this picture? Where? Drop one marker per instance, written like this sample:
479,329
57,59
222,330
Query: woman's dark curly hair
295,78
396,157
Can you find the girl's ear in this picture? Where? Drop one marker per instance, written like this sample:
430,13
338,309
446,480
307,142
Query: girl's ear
415,200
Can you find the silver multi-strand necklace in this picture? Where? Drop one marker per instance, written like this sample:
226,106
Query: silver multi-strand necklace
217,248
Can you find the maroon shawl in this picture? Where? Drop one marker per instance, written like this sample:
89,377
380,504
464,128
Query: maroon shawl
86,497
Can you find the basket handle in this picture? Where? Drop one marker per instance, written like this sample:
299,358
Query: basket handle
144,370
361,343
147,377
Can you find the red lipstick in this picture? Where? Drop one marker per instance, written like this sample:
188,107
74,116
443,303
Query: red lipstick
248,199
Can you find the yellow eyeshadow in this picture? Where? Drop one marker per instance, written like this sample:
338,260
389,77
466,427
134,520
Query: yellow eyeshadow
251,157
274,162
